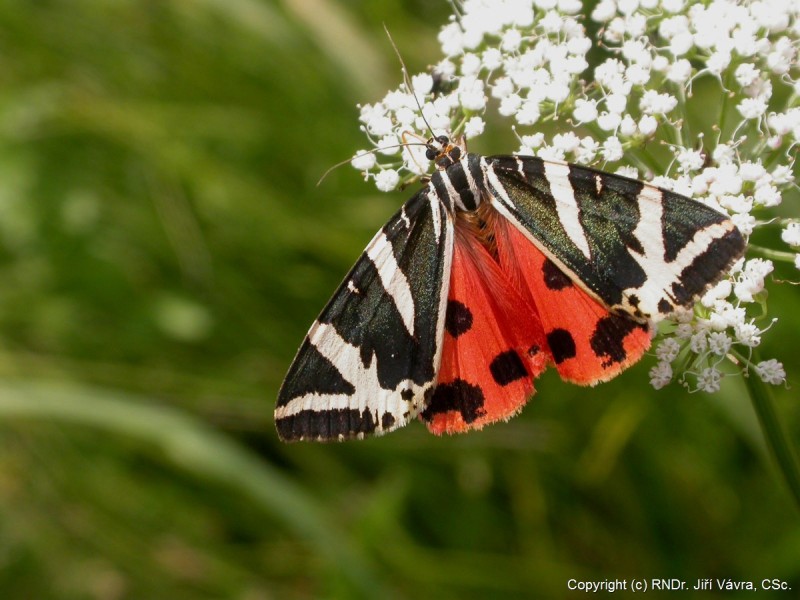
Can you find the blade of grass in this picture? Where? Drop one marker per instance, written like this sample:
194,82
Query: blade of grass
191,445
778,442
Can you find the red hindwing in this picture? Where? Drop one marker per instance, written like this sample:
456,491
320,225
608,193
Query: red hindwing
510,313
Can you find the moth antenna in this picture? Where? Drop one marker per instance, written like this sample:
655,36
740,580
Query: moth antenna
407,80
373,151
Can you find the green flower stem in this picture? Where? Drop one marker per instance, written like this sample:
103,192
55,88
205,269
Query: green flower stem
723,111
774,434
779,255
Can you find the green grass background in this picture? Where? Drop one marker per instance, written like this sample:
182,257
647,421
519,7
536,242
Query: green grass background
163,249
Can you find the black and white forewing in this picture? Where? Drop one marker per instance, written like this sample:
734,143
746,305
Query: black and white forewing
639,249
371,357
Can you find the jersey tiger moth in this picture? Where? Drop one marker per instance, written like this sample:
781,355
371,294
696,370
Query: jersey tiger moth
498,268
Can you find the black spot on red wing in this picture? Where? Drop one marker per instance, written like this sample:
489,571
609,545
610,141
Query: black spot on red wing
562,345
507,367
458,319
554,278
608,337
534,350
664,307
387,420
457,395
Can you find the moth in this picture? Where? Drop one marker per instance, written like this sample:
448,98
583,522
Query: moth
500,267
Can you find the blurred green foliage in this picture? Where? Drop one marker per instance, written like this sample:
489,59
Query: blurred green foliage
163,248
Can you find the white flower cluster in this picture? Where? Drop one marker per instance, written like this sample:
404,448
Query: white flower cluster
672,69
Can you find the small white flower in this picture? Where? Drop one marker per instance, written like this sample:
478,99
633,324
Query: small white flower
628,171
660,375
387,180
570,7
782,174
579,45
737,204
673,6
654,103
679,71
751,171
748,334
661,64
452,39
502,88
567,142
671,26
709,380
668,350
379,125
492,59
616,103
746,74
719,292
422,84
510,105
551,153
681,44
558,92
627,126
552,22
587,151
471,64
470,93
604,11
528,113
752,108
751,280
698,342
612,149
717,62
609,72
771,371
767,195
512,38
474,127
363,161
585,110
389,145
648,125
533,141
744,222
719,343
723,154
690,160
608,121
791,235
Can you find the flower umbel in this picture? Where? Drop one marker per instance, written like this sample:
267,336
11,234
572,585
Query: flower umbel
699,98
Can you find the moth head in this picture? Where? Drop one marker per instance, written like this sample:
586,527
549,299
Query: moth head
442,151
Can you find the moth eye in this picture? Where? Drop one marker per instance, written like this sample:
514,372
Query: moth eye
431,153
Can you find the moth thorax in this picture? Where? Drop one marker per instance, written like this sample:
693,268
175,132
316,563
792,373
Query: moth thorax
448,157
